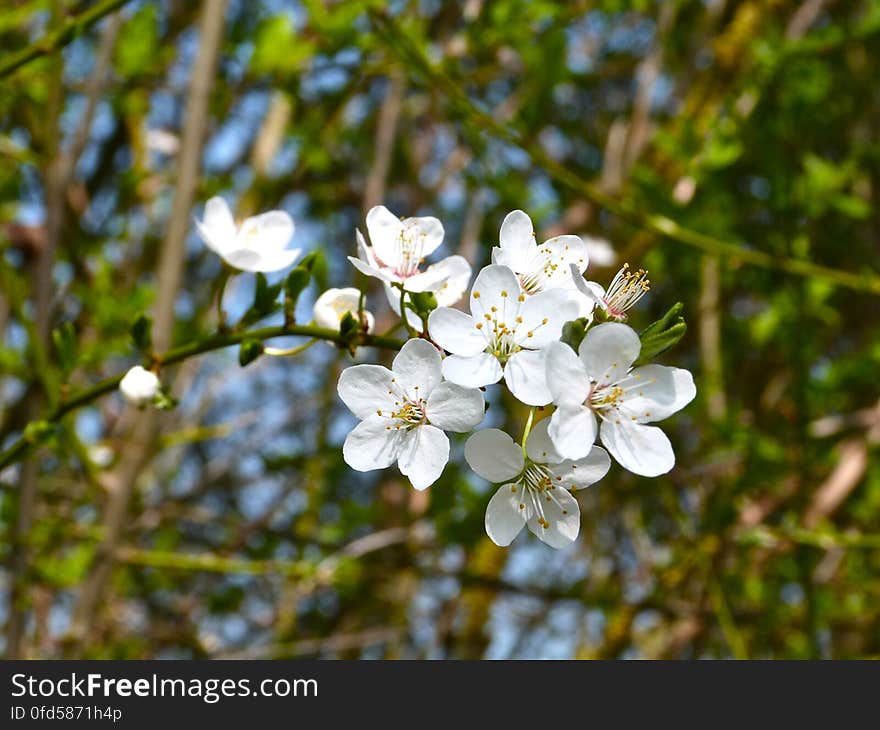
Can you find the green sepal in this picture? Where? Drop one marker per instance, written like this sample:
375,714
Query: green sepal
349,327
422,303
248,351
573,332
661,335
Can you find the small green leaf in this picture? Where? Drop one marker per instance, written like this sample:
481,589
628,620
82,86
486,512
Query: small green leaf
265,296
38,432
64,339
662,334
296,281
142,332
249,351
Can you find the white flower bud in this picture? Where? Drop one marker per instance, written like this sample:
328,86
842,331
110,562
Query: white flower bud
333,305
139,386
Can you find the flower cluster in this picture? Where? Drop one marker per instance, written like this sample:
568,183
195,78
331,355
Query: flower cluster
519,305
533,323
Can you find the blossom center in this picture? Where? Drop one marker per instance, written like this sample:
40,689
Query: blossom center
410,414
536,486
626,289
504,340
410,244
608,400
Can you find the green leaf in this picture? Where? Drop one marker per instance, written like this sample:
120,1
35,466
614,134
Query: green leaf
662,334
249,351
64,339
142,333
278,49
138,44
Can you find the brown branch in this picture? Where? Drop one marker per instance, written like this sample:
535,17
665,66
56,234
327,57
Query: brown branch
169,275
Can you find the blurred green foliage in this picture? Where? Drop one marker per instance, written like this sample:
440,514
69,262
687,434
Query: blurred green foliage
755,121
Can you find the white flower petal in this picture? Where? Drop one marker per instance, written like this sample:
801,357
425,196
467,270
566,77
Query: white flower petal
539,446
573,431
643,450
474,371
526,375
456,273
267,232
417,368
504,518
517,239
432,279
662,391
218,217
333,304
262,261
365,252
454,408
543,315
385,231
585,305
582,473
493,455
217,228
562,515
589,289
423,455
608,351
366,389
427,230
455,332
373,444
565,251
567,376
496,286
378,273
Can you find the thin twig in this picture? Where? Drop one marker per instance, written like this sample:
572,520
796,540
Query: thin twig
59,37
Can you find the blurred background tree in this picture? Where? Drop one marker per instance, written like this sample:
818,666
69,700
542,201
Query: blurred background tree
732,148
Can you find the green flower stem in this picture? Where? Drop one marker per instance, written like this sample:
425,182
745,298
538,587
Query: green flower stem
221,290
290,351
403,319
20,448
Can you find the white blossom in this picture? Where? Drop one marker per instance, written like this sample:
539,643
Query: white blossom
332,306
599,383
503,336
258,244
536,486
399,248
405,412
139,386
545,267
